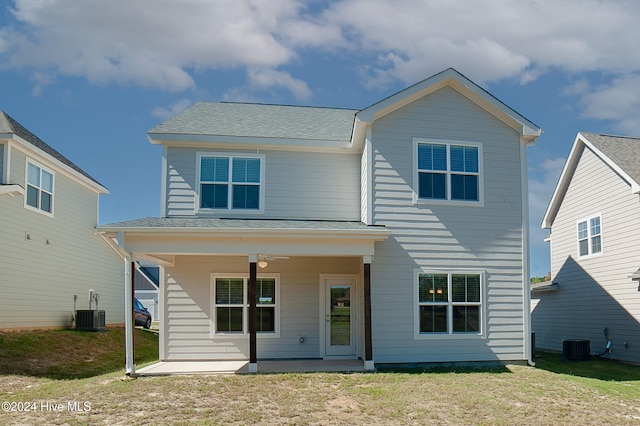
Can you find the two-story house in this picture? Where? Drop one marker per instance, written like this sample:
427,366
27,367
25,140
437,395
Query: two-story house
594,220
392,234
51,258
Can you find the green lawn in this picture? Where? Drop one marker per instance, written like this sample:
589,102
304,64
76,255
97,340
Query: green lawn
554,392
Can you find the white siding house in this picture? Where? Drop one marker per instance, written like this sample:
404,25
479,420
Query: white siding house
49,250
594,218
392,234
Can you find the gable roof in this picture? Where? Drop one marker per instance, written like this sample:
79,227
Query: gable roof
452,78
319,127
203,120
621,153
9,128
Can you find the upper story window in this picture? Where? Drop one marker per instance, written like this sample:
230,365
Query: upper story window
589,236
39,194
449,303
230,182
448,171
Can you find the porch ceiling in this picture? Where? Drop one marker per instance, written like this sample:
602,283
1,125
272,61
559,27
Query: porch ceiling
163,237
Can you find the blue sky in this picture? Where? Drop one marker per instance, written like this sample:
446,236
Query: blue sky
92,77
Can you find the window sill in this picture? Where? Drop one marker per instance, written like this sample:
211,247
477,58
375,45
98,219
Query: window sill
425,202
446,336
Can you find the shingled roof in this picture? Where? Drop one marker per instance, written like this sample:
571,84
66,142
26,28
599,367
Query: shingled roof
261,121
10,126
622,150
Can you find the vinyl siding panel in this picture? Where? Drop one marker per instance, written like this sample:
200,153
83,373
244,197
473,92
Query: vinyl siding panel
298,185
594,292
483,238
40,279
189,314
2,165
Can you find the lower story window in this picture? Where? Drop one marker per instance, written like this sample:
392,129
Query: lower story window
449,303
231,304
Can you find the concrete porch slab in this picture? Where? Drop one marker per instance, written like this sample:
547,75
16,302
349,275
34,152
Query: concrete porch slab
168,368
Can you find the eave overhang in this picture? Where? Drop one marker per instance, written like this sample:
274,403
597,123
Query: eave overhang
279,239
566,175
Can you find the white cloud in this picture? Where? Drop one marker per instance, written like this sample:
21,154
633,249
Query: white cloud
619,101
164,113
151,43
167,44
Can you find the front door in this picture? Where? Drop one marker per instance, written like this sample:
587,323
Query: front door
340,310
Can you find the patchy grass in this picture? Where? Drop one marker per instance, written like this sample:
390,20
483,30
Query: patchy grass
554,392
70,354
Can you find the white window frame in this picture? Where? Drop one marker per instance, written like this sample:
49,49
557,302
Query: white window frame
589,237
230,209
418,335
448,201
245,307
39,188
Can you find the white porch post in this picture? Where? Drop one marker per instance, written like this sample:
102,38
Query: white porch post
130,366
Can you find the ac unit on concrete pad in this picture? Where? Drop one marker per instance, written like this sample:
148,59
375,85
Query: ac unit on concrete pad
91,320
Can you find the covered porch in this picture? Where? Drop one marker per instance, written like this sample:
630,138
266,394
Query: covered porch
256,295
171,368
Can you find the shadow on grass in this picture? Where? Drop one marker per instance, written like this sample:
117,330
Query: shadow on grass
71,354
595,368
438,368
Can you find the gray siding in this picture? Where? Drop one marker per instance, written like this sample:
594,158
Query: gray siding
188,310
2,166
298,185
487,238
39,280
595,292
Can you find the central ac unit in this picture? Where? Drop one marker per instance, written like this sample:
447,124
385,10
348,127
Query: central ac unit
90,320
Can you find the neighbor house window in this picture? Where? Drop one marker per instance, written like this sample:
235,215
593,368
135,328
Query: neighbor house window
449,303
589,236
230,182
39,188
231,304
448,171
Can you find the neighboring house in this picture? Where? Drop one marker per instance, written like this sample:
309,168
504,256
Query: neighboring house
49,248
594,218
146,283
394,234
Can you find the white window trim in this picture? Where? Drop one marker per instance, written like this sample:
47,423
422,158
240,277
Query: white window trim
416,180
450,334
245,311
589,236
229,209
26,185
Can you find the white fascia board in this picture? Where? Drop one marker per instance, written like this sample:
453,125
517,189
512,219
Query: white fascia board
563,181
567,173
635,188
52,162
250,142
380,234
465,87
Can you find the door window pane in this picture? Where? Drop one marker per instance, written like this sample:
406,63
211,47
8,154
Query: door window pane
340,321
